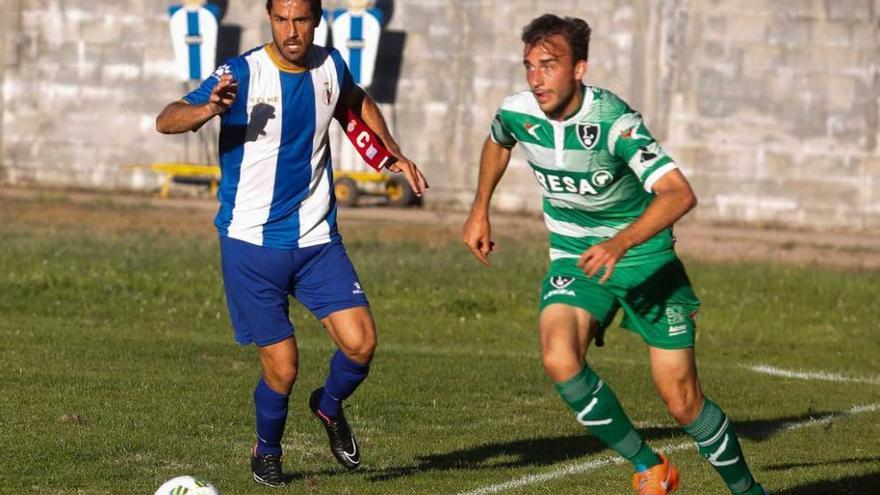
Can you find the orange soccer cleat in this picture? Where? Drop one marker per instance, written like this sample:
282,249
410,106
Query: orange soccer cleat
659,480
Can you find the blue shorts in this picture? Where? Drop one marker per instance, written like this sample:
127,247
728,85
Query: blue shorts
258,281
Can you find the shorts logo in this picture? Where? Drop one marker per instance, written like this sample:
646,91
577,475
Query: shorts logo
357,288
561,282
675,316
588,134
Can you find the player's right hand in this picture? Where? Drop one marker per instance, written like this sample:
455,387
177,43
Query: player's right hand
223,94
477,237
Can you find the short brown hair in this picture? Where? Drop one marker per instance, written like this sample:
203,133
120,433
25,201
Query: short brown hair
315,5
575,31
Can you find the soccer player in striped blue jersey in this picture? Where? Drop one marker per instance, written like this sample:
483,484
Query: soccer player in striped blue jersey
277,217
611,195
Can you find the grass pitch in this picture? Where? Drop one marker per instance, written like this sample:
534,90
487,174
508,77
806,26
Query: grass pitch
119,370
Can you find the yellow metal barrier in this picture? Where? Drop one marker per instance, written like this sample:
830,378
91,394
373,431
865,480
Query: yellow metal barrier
187,172
349,186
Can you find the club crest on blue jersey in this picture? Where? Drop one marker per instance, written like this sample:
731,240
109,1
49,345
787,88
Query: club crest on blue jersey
588,134
222,71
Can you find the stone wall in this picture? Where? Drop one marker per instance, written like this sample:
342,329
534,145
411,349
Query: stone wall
774,108
771,108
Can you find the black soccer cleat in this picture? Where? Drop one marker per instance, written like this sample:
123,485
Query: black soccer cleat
343,445
267,470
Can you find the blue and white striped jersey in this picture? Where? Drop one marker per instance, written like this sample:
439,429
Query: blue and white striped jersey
277,176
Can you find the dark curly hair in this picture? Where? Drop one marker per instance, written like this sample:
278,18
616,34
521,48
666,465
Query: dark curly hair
575,31
315,5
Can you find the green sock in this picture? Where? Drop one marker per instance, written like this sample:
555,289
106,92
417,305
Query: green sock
717,442
596,407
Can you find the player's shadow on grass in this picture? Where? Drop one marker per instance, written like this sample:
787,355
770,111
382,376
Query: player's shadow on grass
537,452
848,462
850,485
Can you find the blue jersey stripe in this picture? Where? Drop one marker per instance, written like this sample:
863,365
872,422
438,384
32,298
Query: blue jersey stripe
294,173
354,54
233,133
195,49
331,215
343,76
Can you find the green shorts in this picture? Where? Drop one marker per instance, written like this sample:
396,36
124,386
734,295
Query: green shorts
656,297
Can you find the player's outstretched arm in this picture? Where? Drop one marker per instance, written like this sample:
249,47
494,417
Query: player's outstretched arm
674,198
477,230
180,116
364,106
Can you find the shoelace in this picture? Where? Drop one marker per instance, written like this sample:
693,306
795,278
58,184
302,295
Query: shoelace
647,479
273,468
338,428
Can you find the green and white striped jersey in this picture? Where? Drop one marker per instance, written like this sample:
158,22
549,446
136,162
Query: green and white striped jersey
597,169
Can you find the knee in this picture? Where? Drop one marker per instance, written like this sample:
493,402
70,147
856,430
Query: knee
281,378
684,408
361,348
560,366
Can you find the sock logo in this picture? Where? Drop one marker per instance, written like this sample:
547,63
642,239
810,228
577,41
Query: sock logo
582,416
713,458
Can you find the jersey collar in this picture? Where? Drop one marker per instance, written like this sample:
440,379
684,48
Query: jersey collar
280,63
586,102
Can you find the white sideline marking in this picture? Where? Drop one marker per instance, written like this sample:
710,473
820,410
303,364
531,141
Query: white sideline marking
812,375
595,464
580,468
853,411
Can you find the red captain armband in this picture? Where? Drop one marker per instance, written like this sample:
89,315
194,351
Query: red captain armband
367,143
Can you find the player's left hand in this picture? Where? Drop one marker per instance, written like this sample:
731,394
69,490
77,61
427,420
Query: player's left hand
413,175
603,255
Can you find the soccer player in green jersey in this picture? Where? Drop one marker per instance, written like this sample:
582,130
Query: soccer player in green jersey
611,196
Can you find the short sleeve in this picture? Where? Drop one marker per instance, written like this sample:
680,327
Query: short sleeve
630,140
500,132
202,94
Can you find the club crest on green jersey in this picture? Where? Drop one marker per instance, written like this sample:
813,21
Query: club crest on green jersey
588,134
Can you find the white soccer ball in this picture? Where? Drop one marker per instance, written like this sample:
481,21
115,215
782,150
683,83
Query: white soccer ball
187,485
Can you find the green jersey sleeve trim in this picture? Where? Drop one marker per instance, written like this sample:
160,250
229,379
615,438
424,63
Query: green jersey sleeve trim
499,132
630,140
657,174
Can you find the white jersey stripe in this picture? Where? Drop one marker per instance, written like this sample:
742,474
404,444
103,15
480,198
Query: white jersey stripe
535,153
573,230
556,254
524,102
314,208
260,160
